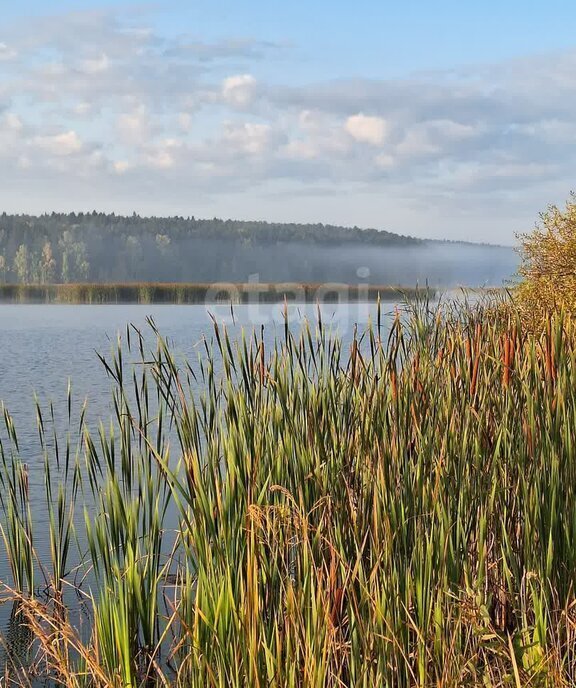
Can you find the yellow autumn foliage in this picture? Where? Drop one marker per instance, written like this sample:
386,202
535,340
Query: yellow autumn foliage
548,268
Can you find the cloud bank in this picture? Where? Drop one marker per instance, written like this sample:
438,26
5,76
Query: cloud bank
98,112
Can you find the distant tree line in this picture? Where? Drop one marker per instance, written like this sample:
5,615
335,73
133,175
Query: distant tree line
98,247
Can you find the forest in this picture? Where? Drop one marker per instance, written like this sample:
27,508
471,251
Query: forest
104,248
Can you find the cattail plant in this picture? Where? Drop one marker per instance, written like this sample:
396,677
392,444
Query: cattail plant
399,511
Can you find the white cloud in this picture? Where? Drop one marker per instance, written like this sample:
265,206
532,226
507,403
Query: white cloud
299,149
552,131
315,136
311,120
12,122
96,158
251,138
12,137
435,137
367,129
417,143
121,166
134,127
160,155
384,161
185,121
239,90
6,53
95,65
161,159
64,144
82,109
451,130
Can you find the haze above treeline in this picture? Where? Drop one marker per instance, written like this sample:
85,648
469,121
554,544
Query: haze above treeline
98,247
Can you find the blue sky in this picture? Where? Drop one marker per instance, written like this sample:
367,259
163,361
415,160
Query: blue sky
444,119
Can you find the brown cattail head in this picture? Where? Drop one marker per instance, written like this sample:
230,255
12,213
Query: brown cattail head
394,384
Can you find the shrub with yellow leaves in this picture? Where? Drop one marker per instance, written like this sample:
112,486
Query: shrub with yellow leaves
548,268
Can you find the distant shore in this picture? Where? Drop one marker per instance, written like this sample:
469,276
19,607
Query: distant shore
202,293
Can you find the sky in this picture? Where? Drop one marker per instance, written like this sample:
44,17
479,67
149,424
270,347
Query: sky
433,118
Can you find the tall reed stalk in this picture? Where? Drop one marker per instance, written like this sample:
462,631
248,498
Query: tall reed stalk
292,513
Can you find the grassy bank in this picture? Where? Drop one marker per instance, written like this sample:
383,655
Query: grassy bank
190,293
399,514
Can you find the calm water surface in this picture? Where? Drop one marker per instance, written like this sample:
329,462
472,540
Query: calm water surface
45,346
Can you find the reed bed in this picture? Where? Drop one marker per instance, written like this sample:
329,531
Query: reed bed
399,514
197,293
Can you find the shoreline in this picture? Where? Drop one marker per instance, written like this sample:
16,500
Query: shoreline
186,293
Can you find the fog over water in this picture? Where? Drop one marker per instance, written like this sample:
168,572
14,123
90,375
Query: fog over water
440,264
